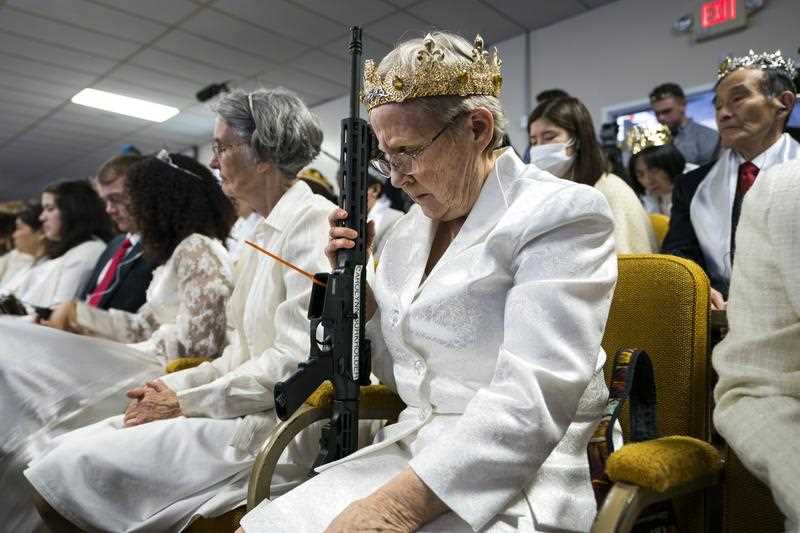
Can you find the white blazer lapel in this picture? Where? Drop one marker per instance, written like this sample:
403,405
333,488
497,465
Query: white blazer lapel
489,207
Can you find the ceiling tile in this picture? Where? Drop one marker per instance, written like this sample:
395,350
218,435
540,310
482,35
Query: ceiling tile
14,21
168,63
52,54
33,113
284,18
468,18
299,81
43,72
24,98
167,12
59,128
395,28
358,12
103,121
539,13
597,3
95,17
158,81
14,81
251,85
192,47
242,35
403,3
322,64
15,122
373,47
62,137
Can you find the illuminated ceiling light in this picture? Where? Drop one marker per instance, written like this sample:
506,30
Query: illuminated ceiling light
125,105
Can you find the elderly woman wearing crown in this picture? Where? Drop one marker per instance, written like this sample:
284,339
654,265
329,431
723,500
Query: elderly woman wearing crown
491,295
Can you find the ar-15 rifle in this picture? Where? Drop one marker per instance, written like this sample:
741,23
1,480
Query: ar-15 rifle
339,352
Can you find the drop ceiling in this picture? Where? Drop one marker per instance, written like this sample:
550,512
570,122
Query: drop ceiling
166,50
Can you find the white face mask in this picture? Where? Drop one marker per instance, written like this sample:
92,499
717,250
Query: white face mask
552,157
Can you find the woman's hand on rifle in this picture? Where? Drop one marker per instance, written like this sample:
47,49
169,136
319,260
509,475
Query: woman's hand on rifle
341,237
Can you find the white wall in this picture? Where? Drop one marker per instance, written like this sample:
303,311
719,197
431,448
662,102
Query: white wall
619,52
515,94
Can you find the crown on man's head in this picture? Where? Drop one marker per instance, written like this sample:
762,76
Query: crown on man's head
478,75
763,60
639,137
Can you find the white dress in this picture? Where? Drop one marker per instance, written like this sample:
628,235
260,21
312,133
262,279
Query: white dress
758,362
12,264
52,382
57,280
497,355
158,476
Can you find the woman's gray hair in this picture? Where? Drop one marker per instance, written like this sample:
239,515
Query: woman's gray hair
455,50
276,123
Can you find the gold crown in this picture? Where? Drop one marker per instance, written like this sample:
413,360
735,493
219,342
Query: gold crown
764,60
639,138
431,77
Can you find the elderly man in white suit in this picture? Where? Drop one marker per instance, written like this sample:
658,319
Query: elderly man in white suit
758,393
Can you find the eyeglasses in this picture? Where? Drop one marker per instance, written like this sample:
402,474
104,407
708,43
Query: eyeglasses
403,161
218,148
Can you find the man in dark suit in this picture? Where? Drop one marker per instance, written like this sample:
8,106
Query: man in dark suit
754,97
121,275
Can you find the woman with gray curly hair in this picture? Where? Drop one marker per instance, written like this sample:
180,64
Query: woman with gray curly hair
491,294
186,444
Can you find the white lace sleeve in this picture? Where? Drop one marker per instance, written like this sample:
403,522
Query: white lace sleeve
117,325
204,285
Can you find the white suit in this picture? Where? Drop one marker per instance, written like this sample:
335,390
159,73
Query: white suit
497,355
758,393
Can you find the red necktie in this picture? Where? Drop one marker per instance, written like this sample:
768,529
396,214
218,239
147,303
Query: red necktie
111,273
747,176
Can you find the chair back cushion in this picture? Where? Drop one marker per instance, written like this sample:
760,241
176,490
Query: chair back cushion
660,305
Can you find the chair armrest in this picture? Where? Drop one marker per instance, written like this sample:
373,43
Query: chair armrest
657,470
376,402
182,363
664,465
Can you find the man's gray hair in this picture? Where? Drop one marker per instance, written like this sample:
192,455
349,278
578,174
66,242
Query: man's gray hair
278,126
455,50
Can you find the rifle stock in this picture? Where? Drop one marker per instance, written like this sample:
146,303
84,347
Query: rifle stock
339,352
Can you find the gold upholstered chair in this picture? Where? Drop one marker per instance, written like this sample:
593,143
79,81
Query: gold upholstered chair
661,306
660,225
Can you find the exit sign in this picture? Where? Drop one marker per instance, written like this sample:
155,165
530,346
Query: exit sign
716,17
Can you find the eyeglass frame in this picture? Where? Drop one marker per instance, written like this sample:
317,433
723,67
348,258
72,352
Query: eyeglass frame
218,148
411,156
